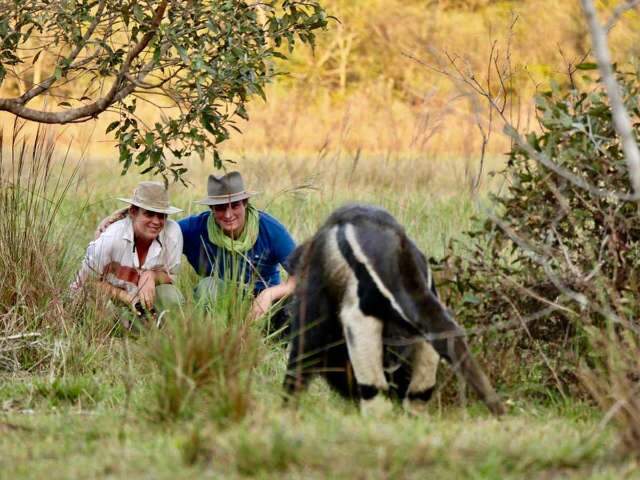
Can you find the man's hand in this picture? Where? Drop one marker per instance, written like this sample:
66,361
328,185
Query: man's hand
147,289
263,301
261,304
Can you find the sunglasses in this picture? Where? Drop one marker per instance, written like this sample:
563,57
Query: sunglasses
150,214
223,207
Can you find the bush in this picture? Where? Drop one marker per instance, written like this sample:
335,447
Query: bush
556,262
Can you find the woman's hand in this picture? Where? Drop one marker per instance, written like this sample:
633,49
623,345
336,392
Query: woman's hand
147,289
120,294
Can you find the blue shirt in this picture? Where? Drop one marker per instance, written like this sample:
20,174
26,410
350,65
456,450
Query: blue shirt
272,248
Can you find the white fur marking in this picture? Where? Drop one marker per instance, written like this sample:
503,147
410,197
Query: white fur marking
424,367
365,347
338,267
362,258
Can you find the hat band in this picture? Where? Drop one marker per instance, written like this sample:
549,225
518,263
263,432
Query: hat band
227,195
151,204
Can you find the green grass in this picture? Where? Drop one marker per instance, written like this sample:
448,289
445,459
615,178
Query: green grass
95,404
322,438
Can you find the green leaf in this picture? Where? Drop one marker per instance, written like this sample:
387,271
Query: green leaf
222,53
470,299
112,125
587,66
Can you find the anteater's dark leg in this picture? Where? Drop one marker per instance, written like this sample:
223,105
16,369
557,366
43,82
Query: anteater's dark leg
311,327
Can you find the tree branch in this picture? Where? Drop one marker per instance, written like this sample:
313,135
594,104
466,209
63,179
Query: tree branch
619,11
621,120
44,86
468,84
116,93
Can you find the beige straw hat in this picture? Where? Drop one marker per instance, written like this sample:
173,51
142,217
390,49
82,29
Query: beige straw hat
151,196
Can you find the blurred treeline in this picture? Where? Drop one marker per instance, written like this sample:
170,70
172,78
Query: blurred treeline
371,84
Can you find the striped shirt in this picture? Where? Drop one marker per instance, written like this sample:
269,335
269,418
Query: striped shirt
113,258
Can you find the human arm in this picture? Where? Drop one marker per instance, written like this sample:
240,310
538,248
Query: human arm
167,271
267,297
105,222
95,262
280,245
119,294
147,281
194,242
96,258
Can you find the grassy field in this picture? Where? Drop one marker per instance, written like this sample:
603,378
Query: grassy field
86,402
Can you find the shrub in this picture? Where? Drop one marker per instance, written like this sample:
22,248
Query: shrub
550,281
556,257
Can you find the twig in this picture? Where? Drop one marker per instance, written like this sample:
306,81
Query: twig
537,345
20,335
619,11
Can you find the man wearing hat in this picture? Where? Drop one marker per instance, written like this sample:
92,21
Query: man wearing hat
233,229
136,258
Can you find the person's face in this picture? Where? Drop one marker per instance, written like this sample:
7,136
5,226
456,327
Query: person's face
231,217
147,225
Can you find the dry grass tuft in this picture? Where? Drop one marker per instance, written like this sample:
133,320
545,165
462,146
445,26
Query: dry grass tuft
33,253
204,361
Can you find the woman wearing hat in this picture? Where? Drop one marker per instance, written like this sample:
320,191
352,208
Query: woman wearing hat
234,232
135,259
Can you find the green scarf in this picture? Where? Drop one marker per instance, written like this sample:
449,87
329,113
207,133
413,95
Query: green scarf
247,238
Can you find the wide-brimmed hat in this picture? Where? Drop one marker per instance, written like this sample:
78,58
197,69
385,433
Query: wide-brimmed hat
225,189
151,196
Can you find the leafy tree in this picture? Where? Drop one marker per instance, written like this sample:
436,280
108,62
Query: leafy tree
201,59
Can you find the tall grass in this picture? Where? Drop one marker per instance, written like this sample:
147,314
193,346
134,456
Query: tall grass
612,375
204,358
33,254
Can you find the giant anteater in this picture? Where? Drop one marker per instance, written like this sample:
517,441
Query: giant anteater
367,317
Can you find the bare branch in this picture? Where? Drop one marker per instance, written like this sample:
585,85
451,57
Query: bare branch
619,11
621,120
541,260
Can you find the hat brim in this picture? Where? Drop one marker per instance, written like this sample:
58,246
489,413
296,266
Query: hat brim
222,199
169,210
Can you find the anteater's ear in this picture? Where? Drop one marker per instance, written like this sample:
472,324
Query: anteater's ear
297,257
409,263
